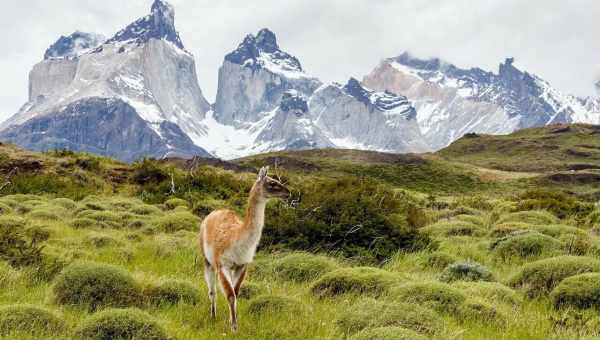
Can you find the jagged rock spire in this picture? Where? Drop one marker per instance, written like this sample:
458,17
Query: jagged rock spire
159,24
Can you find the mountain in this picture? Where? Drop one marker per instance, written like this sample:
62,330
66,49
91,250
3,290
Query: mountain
253,78
451,101
267,102
141,82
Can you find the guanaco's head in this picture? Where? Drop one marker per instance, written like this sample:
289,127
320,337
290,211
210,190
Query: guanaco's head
271,187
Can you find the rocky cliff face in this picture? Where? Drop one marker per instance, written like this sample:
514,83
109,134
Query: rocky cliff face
253,78
143,65
451,101
353,116
104,126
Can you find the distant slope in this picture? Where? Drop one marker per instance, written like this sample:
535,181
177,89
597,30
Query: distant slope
410,171
551,148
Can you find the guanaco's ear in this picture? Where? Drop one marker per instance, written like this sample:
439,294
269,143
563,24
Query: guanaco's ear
262,174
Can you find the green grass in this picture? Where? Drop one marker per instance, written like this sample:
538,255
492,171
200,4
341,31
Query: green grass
119,238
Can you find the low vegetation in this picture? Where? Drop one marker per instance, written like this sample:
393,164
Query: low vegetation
370,245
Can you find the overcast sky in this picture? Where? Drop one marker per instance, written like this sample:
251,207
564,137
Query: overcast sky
333,39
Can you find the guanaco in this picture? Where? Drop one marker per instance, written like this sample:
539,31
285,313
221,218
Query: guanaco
229,242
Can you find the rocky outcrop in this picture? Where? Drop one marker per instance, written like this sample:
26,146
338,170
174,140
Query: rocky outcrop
253,78
356,117
291,127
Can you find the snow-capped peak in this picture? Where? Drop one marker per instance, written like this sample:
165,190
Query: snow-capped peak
74,45
159,24
383,101
262,51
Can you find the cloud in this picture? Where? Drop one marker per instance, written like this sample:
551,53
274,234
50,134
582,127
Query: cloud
334,39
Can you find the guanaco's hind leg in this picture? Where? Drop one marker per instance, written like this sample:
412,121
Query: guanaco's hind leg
239,274
211,283
228,289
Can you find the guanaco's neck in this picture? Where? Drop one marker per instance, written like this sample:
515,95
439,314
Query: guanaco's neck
255,212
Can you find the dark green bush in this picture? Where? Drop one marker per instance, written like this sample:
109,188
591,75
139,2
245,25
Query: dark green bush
96,285
539,217
303,267
175,221
359,280
370,313
172,292
466,271
540,277
250,290
492,291
121,324
352,216
481,311
275,304
559,203
387,333
453,228
439,260
436,295
29,319
16,247
579,291
525,244
175,202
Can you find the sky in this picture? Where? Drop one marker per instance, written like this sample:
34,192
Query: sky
333,39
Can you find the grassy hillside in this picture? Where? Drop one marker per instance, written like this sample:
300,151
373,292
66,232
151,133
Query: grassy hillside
371,245
551,148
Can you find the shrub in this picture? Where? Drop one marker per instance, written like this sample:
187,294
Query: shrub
205,206
559,203
175,202
579,291
439,260
466,271
593,218
249,290
355,217
84,222
5,208
476,310
370,313
526,244
303,267
539,217
172,292
360,280
29,319
102,240
18,249
505,229
540,277
493,291
453,228
65,203
95,285
274,303
176,221
387,333
475,220
46,214
437,295
136,224
146,209
130,323
107,217
558,230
